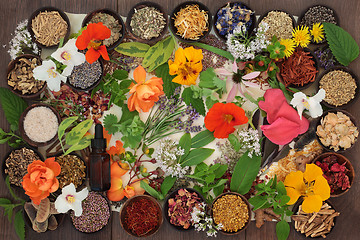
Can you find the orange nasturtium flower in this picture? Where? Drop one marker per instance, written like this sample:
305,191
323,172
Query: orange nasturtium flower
187,65
91,39
311,185
144,93
222,118
117,149
41,180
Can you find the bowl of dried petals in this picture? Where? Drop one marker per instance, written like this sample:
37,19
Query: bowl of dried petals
147,22
190,21
316,224
20,76
336,130
47,25
232,211
338,171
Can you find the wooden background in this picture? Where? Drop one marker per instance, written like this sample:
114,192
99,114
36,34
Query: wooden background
347,226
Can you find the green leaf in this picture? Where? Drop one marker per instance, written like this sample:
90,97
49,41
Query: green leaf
197,103
80,145
197,156
220,171
133,49
167,185
207,79
201,167
19,225
131,141
234,141
185,143
158,54
120,74
280,187
342,45
151,191
244,174
169,86
202,139
218,190
64,125
210,178
126,114
218,51
282,230
4,202
110,123
258,201
221,182
12,105
74,136
10,189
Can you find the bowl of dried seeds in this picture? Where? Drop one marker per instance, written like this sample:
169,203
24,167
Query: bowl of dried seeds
190,21
111,20
279,22
341,87
47,25
147,22
232,211
314,225
20,76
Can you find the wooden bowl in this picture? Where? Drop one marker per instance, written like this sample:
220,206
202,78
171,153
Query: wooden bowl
296,208
277,10
115,15
21,125
166,207
11,67
126,204
248,207
341,160
347,70
250,28
43,9
318,122
173,29
140,6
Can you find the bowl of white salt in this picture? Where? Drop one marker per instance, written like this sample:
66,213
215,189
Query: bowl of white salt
39,124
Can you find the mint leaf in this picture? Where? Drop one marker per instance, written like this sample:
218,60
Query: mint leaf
12,105
19,225
169,86
341,43
282,230
196,103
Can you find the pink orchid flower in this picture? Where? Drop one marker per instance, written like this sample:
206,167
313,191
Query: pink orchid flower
285,123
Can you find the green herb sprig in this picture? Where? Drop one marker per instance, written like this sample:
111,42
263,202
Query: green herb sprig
164,188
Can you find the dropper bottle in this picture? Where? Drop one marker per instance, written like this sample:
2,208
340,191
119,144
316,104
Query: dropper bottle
99,164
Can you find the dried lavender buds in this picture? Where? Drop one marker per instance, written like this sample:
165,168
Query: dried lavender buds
315,224
147,22
191,22
40,124
21,79
339,87
111,23
49,28
85,75
231,211
73,170
17,162
280,24
96,214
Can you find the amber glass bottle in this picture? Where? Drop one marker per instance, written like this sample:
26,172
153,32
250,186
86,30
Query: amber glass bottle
99,164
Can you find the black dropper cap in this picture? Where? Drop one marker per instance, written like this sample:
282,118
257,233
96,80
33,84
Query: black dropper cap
99,142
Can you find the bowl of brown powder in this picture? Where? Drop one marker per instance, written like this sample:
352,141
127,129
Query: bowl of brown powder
39,124
47,25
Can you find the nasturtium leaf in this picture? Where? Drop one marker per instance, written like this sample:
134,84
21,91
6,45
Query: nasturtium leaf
202,139
133,49
197,156
341,43
12,105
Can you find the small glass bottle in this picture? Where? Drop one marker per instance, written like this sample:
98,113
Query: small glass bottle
99,164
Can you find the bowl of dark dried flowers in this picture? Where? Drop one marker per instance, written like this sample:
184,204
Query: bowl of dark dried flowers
232,211
141,216
20,76
111,20
338,171
147,22
317,224
179,205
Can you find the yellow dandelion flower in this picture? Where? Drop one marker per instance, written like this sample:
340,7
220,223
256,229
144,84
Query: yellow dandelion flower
301,36
317,32
289,46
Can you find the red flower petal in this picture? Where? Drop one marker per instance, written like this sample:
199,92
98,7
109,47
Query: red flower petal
273,97
92,55
98,31
281,132
102,50
83,40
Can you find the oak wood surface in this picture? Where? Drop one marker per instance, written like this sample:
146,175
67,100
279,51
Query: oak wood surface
347,226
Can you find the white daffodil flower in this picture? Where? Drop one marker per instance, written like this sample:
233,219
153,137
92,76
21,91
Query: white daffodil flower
47,72
70,199
301,102
69,56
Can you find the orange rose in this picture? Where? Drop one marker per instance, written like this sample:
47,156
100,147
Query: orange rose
144,94
41,180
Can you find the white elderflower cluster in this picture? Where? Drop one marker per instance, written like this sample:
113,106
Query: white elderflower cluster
203,222
245,47
21,43
168,156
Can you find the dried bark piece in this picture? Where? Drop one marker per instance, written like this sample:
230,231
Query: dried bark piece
53,224
43,211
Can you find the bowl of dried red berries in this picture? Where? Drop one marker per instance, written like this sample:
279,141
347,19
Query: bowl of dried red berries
338,171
